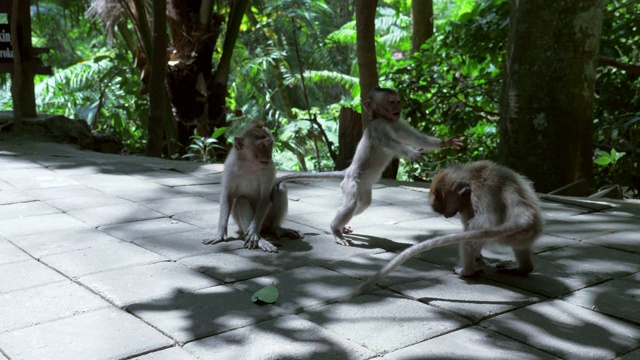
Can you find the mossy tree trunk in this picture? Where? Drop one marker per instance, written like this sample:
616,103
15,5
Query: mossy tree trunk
546,114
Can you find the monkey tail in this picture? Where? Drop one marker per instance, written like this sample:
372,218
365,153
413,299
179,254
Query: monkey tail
311,176
408,253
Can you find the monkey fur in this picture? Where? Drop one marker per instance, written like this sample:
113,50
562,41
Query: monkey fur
386,137
249,192
495,203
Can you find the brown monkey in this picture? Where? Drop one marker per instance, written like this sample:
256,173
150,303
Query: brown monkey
494,202
248,191
386,137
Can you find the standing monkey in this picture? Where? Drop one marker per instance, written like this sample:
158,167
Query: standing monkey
248,191
495,203
386,137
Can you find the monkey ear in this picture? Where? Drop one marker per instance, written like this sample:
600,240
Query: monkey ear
464,191
367,106
238,142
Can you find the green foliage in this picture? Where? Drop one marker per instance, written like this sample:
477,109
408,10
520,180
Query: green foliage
204,148
604,158
451,87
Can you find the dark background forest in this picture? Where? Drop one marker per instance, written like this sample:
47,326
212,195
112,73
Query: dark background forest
550,88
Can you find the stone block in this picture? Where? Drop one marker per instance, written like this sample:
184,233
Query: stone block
288,337
103,334
26,274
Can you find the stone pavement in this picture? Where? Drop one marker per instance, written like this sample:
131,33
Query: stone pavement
101,258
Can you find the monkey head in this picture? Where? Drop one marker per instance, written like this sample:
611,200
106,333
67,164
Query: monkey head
383,103
256,142
448,196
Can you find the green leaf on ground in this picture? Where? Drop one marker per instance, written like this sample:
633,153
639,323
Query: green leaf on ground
268,294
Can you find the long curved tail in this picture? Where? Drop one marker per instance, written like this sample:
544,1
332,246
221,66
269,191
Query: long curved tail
311,176
408,253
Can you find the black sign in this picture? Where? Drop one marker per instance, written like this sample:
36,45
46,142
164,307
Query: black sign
6,51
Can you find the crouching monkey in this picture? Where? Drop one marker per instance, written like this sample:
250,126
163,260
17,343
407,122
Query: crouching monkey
495,203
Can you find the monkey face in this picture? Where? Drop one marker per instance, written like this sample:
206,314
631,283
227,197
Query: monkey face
391,107
262,152
443,196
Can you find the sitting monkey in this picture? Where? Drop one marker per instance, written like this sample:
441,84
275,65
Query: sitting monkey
248,191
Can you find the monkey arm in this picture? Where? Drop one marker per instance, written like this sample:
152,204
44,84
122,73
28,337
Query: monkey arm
411,136
383,134
226,201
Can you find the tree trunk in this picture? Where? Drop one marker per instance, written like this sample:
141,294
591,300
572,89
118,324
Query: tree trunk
421,23
22,89
218,87
546,113
366,50
349,133
155,132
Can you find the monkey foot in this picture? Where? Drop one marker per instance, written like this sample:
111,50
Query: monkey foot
511,268
467,272
261,244
211,241
281,232
343,242
347,230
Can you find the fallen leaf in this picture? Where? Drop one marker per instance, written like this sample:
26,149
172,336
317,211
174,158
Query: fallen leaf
268,294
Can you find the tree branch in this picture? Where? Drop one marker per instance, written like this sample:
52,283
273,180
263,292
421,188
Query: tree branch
612,11
633,69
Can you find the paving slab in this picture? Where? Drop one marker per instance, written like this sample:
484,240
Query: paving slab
567,331
470,343
363,267
39,224
114,214
228,267
130,231
570,268
180,245
13,196
170,207
288,337
26,274
191,315
305,287
11,253
86,201
63,192
619,298
57,242
173,353
474,299
103,334
146,282
46,303
623,240
318,249
30,208
383,321
101,258
35,178
58,274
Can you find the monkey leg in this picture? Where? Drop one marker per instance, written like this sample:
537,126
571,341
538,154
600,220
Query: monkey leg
277,213
345,213
523,264
469,255
243,215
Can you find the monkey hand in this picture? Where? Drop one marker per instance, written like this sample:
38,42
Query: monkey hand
254,241
451,143
415,154
214,240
